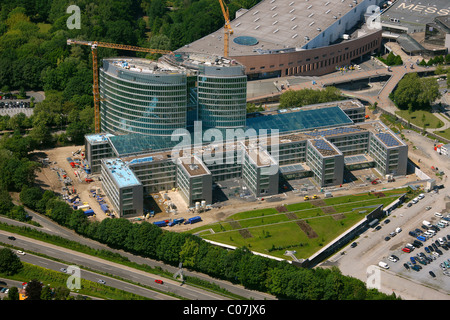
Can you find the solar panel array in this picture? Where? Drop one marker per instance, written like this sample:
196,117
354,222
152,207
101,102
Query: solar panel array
323,145
388,139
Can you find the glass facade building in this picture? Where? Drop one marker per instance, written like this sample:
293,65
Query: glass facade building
222,97
140,98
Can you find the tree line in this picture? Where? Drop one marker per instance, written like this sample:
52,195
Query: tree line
238,266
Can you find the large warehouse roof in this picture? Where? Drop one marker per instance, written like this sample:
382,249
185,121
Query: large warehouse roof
275,25
414,14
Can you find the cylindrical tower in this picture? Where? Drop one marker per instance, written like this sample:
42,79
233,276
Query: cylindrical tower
222,97
138,96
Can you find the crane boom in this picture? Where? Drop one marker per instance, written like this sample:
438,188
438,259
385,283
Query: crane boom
227,27
94,45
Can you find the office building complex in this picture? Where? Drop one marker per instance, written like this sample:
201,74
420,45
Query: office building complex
320,142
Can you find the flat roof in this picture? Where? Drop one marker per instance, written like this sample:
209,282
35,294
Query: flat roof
358,158
414,13
275,25
121,173
325,148
193,166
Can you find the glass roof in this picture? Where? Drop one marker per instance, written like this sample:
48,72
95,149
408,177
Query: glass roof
301,120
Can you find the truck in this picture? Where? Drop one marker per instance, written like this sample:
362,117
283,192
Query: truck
89,212
76,207
193,220
175,222
162,223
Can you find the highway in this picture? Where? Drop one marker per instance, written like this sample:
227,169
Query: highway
101,265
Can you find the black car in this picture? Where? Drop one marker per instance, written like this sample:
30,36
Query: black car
448,237
437,243
354,244
434,246
440,252
387,221
418,231
432,274
406,266
379,227
430,248
11,238
387,238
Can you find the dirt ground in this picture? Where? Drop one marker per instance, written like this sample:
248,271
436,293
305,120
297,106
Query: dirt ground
48,177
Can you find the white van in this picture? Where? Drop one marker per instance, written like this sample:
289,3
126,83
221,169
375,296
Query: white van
432,231
437,214
384,265
444,222
398,230
426,223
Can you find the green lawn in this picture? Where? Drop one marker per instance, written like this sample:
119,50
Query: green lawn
271,232
421,118
443,133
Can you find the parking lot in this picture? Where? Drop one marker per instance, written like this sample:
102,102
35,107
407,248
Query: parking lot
417,258
13,107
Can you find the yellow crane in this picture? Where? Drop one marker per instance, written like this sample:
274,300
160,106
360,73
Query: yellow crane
94,45
227,28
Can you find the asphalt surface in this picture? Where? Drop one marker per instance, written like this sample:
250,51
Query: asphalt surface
372,248
134,275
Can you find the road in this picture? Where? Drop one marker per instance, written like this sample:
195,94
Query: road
104,266
372,248
94,263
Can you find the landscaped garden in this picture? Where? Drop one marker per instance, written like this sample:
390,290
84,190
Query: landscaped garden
304,227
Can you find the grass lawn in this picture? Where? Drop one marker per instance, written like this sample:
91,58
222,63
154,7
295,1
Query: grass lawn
272,232
444,133
421,118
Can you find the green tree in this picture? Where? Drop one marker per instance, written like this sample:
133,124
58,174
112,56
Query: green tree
46,293
10,263
33,290
13,294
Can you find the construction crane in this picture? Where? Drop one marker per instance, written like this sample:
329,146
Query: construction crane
94,45
227,28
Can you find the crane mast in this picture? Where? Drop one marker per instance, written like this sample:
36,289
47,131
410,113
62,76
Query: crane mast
227,28
94,45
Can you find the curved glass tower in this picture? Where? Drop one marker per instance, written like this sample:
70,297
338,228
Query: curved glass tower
137,96
222,97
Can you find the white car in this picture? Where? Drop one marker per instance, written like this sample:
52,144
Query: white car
20,252
384,265
421,196
437,214
391,258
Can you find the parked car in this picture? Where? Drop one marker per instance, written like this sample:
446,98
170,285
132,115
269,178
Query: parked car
432,274
383,265
20,252
407,250
406,266
159,281
11,238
